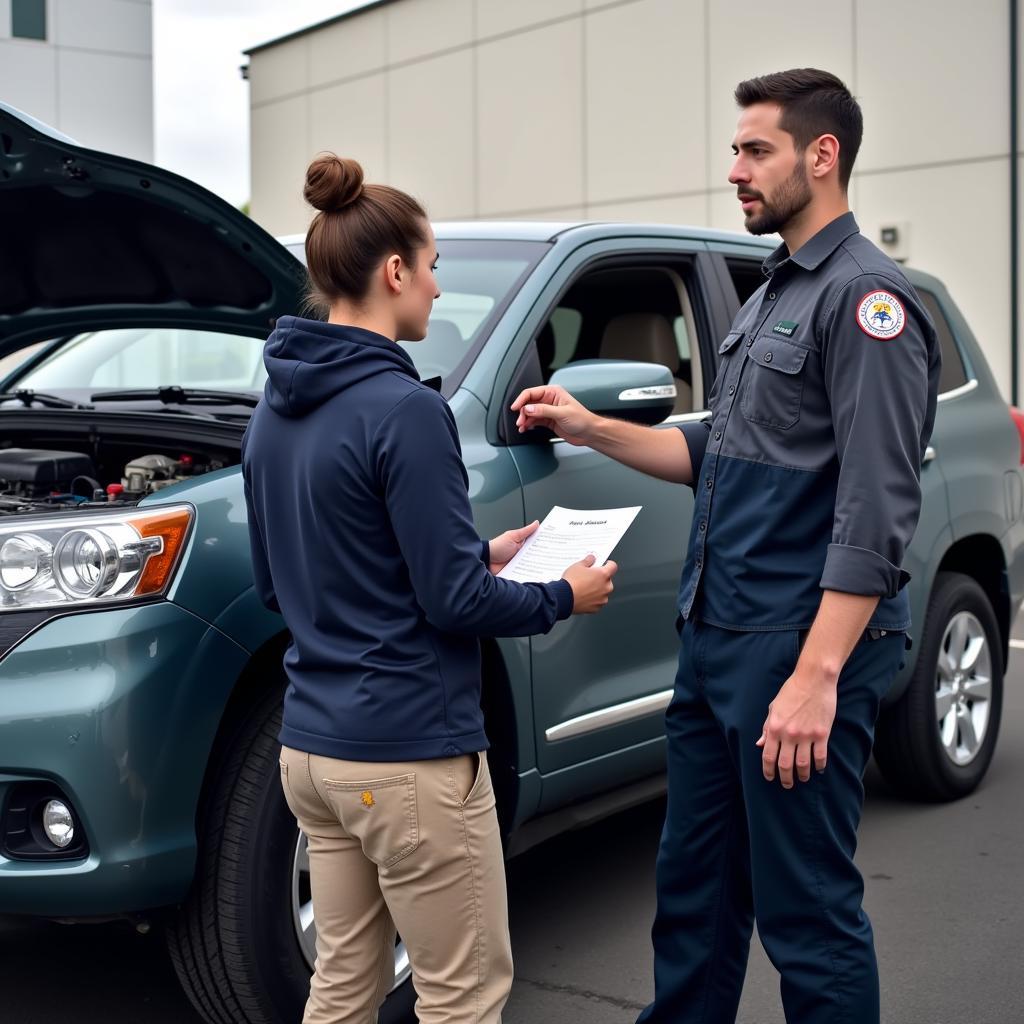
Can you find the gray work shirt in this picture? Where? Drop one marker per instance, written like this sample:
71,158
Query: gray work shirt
807,470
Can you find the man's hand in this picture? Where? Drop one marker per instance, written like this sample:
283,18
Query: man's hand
591,585
553,407
797,728
504,547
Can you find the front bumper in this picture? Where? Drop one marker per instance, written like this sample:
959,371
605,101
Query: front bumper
119,709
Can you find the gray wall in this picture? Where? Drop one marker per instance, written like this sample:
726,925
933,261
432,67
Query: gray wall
92,77
565,109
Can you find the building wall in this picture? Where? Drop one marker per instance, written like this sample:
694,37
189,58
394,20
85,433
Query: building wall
623,109
92,77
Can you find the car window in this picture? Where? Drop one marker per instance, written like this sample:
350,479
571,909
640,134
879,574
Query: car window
746,277
627,313
953,373
144,357
477,279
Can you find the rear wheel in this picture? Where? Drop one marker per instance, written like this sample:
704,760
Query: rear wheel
243,944
937,742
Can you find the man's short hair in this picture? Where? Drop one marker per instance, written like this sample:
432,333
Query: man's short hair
813,103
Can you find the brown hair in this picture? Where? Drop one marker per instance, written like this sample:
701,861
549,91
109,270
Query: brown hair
813,103
357,227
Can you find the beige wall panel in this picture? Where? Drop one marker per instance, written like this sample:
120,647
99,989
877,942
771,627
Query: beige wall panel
280,154
347,48
645,109
726,214
746,41
673,210
495,16
418,28
106,102
282,70
121,26
351,120
5,19
28,78
942,244
430,130
568,214
529,120
946,95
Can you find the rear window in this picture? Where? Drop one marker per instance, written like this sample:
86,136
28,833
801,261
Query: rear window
953,373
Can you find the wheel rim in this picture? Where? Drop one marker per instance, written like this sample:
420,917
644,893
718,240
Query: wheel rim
963,688
305,924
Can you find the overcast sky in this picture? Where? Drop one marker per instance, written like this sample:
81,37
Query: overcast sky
201,103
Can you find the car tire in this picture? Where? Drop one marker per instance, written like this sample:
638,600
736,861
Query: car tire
233,942
937,741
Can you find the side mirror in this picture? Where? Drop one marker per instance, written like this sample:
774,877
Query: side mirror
640,392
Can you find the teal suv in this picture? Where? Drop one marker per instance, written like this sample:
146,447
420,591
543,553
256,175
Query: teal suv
140,676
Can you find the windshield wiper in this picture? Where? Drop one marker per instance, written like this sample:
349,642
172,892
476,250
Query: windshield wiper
28,397
175,395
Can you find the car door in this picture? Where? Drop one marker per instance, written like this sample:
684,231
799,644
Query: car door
601,683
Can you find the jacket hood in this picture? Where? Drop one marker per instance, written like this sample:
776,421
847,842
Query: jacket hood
309,362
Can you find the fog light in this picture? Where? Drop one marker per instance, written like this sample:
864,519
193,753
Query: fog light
58,824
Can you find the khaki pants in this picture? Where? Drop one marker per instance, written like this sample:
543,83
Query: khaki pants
413,845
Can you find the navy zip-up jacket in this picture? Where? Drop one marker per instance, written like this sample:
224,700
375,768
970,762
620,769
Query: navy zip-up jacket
362,538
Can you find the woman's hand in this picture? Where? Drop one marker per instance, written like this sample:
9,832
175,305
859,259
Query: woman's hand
505,546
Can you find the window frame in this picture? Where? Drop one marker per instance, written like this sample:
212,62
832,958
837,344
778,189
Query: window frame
33,11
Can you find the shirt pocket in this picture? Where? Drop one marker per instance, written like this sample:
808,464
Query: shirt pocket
724,351
774,383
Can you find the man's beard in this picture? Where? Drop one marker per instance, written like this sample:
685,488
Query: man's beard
789,199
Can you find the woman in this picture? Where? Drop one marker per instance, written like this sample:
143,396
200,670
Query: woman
363,539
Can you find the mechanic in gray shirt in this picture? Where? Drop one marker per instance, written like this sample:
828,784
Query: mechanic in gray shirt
792,602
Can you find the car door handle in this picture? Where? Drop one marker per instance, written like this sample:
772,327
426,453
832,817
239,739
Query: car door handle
929,454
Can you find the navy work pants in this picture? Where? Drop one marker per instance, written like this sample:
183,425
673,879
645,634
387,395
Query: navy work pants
736,847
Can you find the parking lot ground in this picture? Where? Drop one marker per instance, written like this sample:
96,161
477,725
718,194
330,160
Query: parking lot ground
945,891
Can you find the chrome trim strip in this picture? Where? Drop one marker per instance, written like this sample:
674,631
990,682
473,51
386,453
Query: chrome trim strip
687,417
957,392
654,391
617,714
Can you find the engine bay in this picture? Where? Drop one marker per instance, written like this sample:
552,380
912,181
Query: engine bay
34,480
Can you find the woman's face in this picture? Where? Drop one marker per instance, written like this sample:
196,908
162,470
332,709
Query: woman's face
417,298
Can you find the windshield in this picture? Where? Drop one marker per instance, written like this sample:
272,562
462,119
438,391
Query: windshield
476,279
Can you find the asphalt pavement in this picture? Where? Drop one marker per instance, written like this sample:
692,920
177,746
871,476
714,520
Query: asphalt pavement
945,891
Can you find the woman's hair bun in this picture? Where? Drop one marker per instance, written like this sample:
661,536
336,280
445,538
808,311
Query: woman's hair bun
333,182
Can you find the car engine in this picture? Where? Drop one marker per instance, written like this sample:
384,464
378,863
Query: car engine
35,480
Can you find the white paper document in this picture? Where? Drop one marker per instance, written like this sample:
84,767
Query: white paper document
568,535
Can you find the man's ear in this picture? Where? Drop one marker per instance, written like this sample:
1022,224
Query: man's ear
393,271
824,152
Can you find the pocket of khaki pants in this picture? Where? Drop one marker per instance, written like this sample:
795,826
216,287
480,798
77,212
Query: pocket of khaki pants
285,788
380,813
481,777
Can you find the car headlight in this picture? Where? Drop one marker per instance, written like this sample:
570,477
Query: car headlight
58,560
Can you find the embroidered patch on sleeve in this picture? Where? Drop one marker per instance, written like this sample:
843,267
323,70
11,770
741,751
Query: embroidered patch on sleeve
880,315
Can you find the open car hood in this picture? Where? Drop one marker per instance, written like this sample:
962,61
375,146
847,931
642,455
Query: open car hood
89,240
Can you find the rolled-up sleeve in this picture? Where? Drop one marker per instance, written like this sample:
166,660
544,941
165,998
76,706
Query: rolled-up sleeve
878,390
696,435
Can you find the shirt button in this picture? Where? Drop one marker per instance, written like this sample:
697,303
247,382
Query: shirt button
771,295
703,526
708,483
750,341
767,357
718,435
732,389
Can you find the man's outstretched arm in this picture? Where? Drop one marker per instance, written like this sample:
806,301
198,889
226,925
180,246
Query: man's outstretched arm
665,454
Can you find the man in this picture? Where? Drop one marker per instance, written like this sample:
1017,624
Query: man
792,609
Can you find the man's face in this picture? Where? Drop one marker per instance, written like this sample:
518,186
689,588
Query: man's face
769,174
